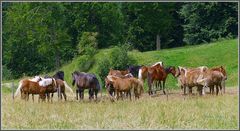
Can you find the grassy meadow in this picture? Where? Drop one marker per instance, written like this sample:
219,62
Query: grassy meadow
158,112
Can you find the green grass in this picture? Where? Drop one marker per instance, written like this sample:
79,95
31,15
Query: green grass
208,112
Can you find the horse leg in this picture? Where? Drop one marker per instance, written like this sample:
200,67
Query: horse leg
77,93
48,96
130,95
65,96
164,88
27,96
217,90
117,95
82,92
96,92
33,97
52,98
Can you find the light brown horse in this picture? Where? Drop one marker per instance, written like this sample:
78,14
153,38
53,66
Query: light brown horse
126,85
118,72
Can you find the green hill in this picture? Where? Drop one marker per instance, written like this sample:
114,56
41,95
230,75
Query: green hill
214,54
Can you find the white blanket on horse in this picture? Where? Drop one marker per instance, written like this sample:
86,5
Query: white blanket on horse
45,82
36,79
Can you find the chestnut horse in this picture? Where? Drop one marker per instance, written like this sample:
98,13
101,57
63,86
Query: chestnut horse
27,87
158,73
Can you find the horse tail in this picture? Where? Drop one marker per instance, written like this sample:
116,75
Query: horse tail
18,89
68,87
140,74
99,87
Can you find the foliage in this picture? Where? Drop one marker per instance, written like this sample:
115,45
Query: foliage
85,62
88,43
103,68
205,22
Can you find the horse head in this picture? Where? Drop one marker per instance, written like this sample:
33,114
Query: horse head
172,70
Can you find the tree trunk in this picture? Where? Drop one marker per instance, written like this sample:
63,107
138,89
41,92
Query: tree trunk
158,42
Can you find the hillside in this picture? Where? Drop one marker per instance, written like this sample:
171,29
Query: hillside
215,54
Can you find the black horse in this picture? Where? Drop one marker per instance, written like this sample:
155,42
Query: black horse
86,81
58,75
134,70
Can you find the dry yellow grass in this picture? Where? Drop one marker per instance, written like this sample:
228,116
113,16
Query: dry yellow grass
194,112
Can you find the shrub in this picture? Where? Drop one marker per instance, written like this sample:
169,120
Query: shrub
103,69
85,62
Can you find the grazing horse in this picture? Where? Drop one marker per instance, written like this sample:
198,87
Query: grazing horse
126,85
134,70
158,73
86,81
30,87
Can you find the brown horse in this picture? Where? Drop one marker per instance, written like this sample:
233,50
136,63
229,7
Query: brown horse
158,73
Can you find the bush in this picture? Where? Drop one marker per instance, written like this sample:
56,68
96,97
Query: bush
85,62
103,68
118,60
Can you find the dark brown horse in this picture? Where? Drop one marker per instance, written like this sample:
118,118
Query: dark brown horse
86,81
158,73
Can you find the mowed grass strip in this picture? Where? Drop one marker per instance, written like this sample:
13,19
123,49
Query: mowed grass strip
193,112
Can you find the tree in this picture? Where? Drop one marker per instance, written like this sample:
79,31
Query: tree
205,22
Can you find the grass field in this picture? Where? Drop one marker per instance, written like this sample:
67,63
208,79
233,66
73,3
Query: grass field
176,112
193,112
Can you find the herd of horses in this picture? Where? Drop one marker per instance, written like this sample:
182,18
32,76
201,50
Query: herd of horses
128,83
